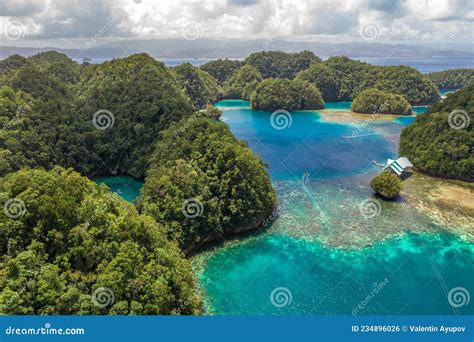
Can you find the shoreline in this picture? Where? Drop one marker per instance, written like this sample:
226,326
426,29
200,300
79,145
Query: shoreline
218,239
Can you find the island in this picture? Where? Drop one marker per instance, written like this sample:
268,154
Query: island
375,101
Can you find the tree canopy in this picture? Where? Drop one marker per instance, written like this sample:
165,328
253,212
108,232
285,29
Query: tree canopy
281,64
241,84
353,77
387,185
441,141
221,69
324,78
205,184
374,101
105,124
452,79
198,85
279,93
65,239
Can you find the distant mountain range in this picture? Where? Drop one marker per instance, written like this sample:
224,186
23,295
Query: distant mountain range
209,48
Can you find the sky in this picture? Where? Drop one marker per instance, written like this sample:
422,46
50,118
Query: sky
72,23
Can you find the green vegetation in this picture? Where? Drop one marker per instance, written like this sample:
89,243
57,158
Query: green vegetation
141,97
386,184
409,82
242,83
75,237
205,184
33,129
374,101
441,143
12,62
452,79
278,93
51,63
69,237
221,69
281,64
200,87
324,78
353,77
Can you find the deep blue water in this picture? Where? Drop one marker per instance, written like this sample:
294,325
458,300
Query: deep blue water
307,145
321,256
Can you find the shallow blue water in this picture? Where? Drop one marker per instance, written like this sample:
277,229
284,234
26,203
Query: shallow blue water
321,256
127,187
338,105
446,91
397,277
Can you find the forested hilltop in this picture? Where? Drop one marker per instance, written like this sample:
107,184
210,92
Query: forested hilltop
69,246
441,141
64,239
336,79
104,123
452,79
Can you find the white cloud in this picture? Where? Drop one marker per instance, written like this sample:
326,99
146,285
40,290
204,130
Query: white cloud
336,20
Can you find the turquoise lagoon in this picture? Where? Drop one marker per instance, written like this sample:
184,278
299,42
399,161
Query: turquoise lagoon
323,255
127,187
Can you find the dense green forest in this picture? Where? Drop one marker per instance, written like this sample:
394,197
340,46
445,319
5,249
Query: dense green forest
106,123
452,79
242,83
199,85
215,179
280,93
221,69
281,64
354,76
324,78
441,141
75,238
66,241
375,101
337,79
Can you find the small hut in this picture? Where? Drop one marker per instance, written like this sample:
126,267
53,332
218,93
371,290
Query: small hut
399,166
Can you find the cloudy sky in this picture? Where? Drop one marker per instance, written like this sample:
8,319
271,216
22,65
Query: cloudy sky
67,23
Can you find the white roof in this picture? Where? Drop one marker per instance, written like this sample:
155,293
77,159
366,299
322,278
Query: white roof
399,165
404,162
